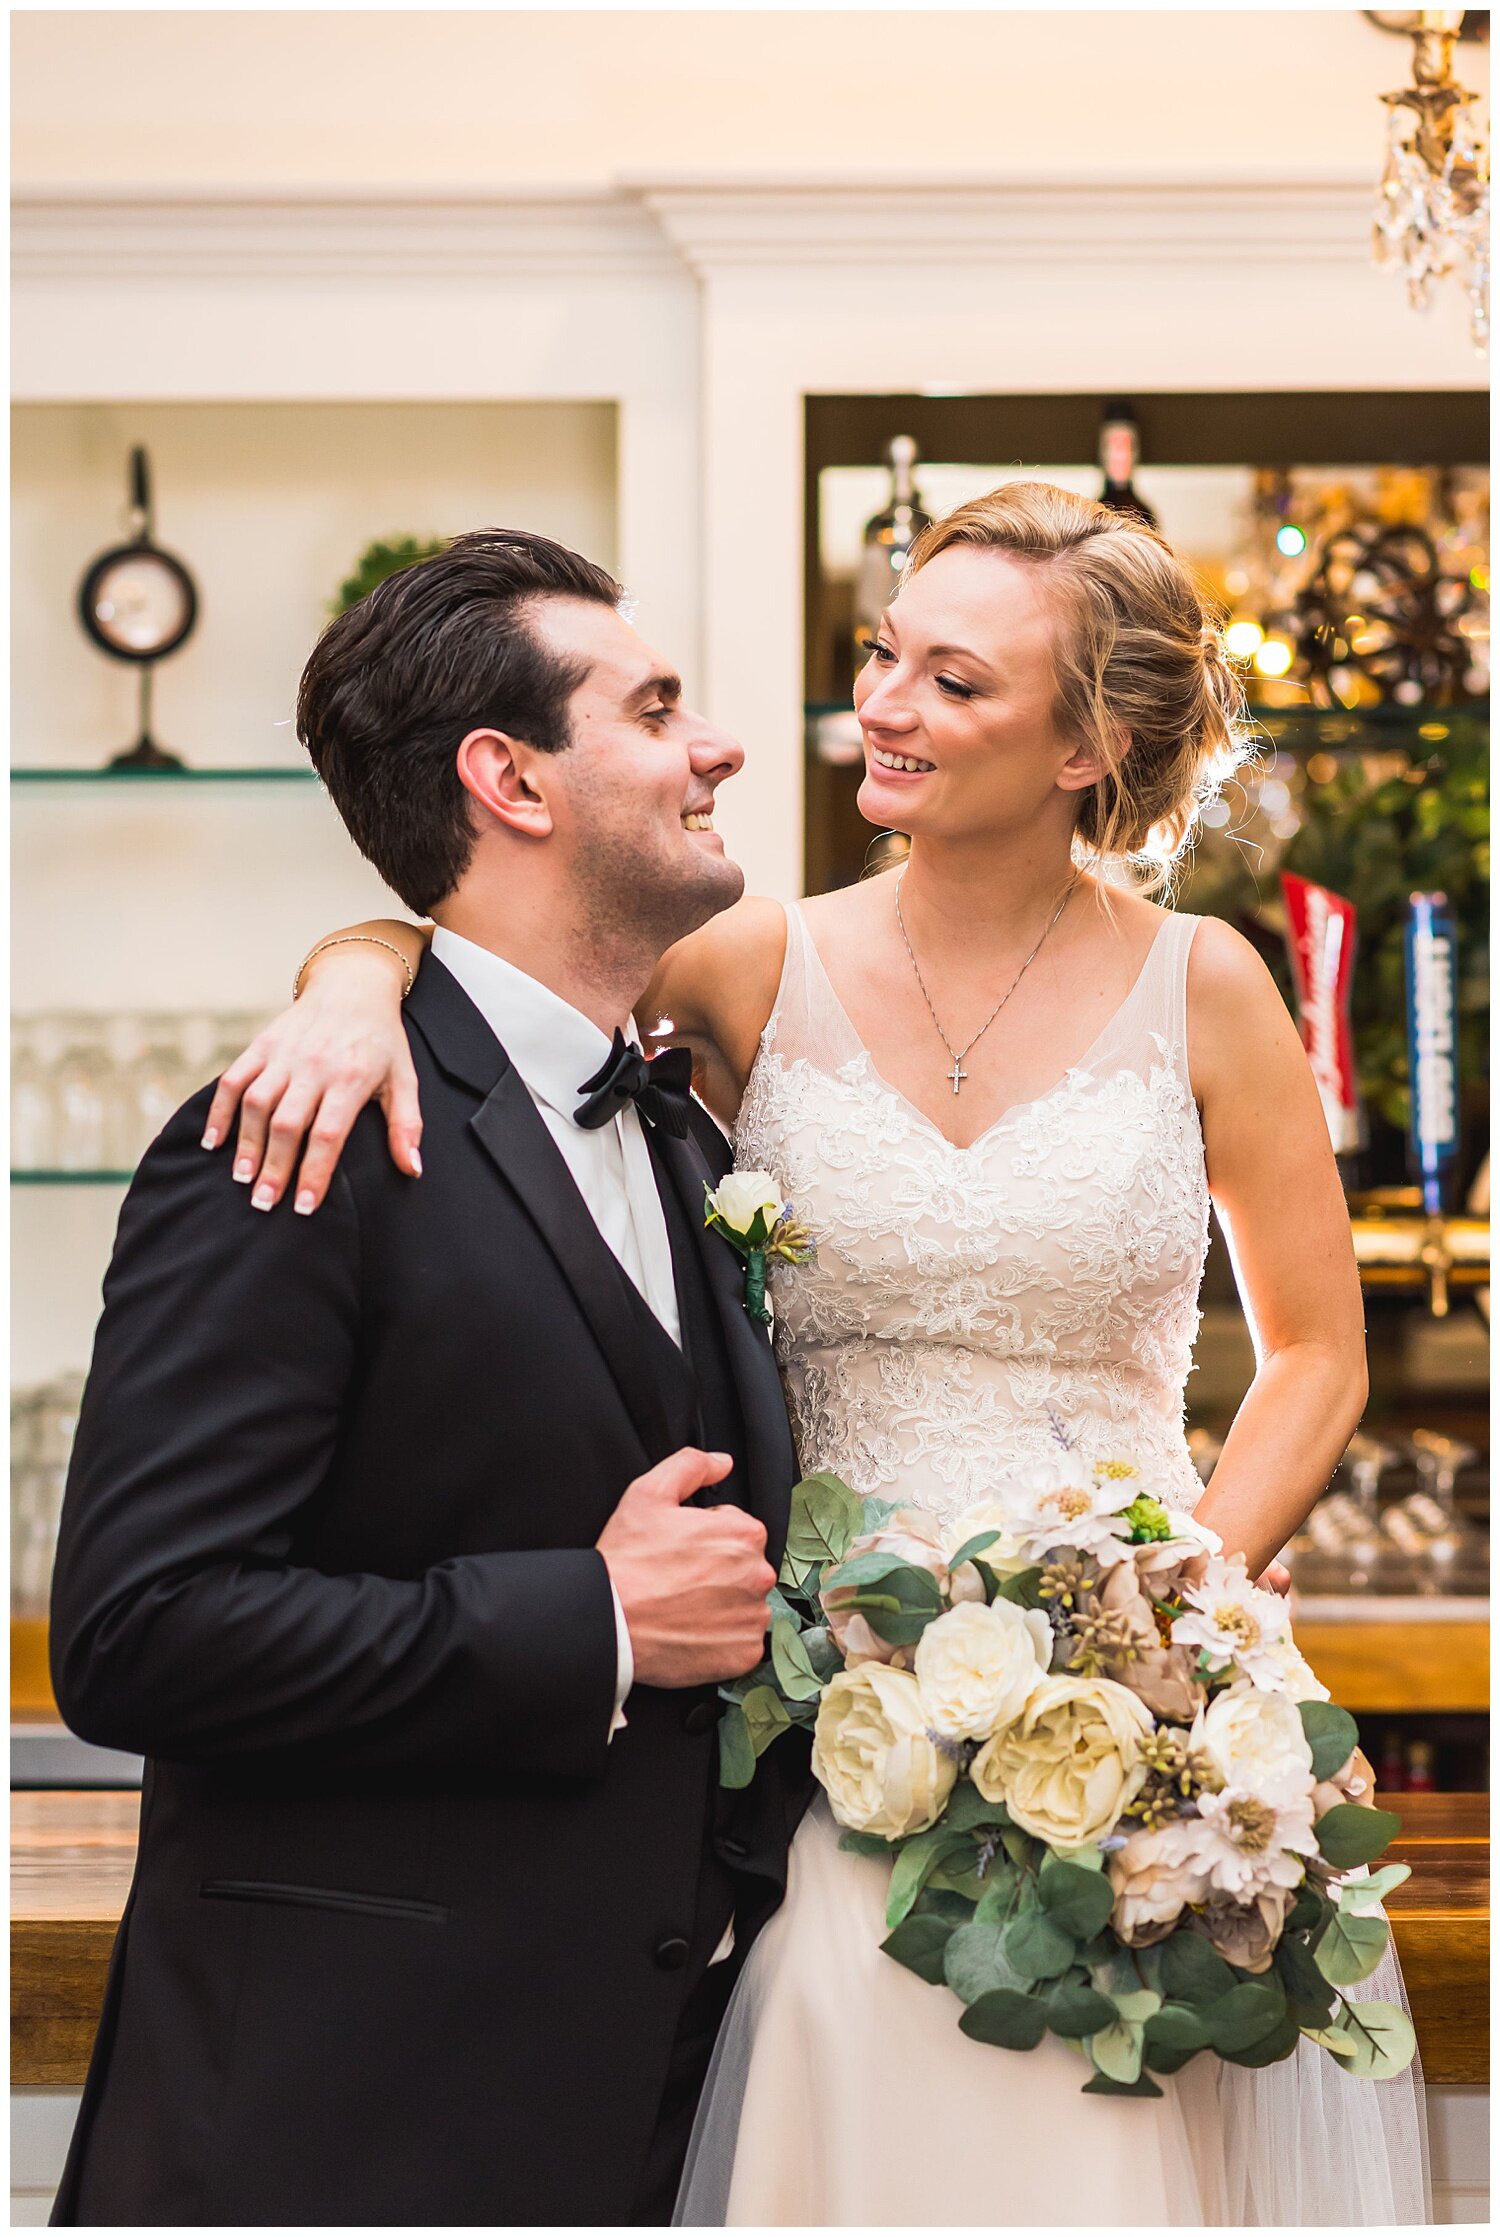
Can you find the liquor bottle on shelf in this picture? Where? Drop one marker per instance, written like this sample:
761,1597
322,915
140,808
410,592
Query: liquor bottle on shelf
1421,1773
1390,1772
1119,456
888,538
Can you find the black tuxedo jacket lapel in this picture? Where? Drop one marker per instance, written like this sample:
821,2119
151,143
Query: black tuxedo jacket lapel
514,1136
769,1456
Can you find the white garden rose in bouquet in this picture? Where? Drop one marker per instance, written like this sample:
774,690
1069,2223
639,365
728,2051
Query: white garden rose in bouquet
872,1753
1070,1763
978,1667
1118,1806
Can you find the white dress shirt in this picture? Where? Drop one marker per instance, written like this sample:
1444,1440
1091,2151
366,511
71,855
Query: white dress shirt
555,1049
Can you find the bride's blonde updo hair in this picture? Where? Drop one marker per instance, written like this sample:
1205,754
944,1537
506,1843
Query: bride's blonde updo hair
1142,676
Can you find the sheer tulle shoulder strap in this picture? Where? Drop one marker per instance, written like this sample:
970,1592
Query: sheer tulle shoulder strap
1152,1021
808,1019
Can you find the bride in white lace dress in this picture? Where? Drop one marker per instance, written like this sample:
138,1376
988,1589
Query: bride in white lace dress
1002,1092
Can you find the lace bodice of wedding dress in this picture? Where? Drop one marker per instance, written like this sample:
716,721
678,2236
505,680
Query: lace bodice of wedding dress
961,1300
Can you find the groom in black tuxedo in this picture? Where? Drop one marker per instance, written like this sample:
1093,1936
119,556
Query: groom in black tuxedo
409,1541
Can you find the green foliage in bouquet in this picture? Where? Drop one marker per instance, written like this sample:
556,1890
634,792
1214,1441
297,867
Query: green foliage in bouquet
1020,1930
1375,838
386,556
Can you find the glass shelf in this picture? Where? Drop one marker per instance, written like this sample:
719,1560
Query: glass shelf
42,1176
146,780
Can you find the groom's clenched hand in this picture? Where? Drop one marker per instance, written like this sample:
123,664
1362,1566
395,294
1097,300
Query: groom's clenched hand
693,1581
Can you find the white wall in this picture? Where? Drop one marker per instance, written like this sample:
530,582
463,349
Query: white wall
269,504
496,97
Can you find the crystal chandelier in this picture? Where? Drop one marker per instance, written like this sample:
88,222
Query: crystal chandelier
1432,210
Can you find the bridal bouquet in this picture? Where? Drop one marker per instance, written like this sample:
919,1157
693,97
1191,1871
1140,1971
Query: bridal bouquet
1118,1805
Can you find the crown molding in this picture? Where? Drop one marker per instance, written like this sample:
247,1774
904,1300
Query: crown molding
657,227
720,228
72,234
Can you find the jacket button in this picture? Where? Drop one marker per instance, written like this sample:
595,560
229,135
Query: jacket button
672,1954
734,1852
701,1717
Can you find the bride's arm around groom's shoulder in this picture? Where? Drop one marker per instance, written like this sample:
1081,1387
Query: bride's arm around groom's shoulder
718,989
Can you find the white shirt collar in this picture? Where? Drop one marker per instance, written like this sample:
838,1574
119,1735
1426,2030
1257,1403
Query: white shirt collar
554,1047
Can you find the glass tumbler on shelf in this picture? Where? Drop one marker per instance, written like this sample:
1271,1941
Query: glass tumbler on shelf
33,1103
82,1097
156,1082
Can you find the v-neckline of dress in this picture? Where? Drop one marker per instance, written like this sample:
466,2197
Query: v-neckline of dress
1012,1110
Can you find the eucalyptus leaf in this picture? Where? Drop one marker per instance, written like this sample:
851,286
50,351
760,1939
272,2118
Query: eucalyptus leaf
794,1673
1116,2050
1332,1734
972,1546
1004,2016
736,1750
913,1866
1001,1889
1075,2010
1136,2004
1340,2040
1176,2027
1021,1588
1017,1845
826,1517
1358,1898
1385,2041
1037,1947
1190,1971
864,1844
967,1808
873,1569
1299,1974
1271,2048
1249,2011
1079,1901
974,1963
1349,1949
1350,1834
918,1944
765,1713
1105,2085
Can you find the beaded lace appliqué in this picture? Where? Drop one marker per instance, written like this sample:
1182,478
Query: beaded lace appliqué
958,1295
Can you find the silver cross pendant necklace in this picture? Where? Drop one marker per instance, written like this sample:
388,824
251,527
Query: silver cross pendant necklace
958,1075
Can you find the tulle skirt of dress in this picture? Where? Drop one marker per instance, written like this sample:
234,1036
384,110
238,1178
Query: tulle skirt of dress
842,2094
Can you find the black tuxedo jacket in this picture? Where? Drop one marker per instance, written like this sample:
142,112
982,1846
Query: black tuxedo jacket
407,1936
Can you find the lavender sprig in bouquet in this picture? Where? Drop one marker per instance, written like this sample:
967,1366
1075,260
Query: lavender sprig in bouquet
1119,1807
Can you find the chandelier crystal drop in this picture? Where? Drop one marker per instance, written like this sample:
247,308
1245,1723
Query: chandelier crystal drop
1432,209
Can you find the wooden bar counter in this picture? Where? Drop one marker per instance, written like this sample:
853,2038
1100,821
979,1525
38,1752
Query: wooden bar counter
72,1856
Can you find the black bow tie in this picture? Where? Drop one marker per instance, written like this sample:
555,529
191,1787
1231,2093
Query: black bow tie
659,1086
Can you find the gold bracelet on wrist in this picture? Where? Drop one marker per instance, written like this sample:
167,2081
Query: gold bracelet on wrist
351,940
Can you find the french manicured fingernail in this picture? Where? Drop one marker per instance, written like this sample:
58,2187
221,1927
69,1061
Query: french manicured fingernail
416,1163
244,1170
263,1198
306,1201
211,1138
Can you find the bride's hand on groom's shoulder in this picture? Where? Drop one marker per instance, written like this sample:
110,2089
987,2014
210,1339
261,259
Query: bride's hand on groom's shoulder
310,1073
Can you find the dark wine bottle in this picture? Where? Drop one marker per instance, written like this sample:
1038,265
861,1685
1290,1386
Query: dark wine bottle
1119,456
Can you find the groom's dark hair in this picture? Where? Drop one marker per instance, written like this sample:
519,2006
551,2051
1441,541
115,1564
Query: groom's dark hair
395,684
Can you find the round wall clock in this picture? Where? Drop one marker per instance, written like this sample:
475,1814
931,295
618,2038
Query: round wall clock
139,604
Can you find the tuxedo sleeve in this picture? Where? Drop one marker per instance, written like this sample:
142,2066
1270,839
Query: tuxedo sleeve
183,1625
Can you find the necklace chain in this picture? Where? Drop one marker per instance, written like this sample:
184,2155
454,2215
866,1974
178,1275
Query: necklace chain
958,1075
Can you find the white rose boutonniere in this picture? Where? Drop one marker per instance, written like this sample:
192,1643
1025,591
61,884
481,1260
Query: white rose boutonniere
750,1212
